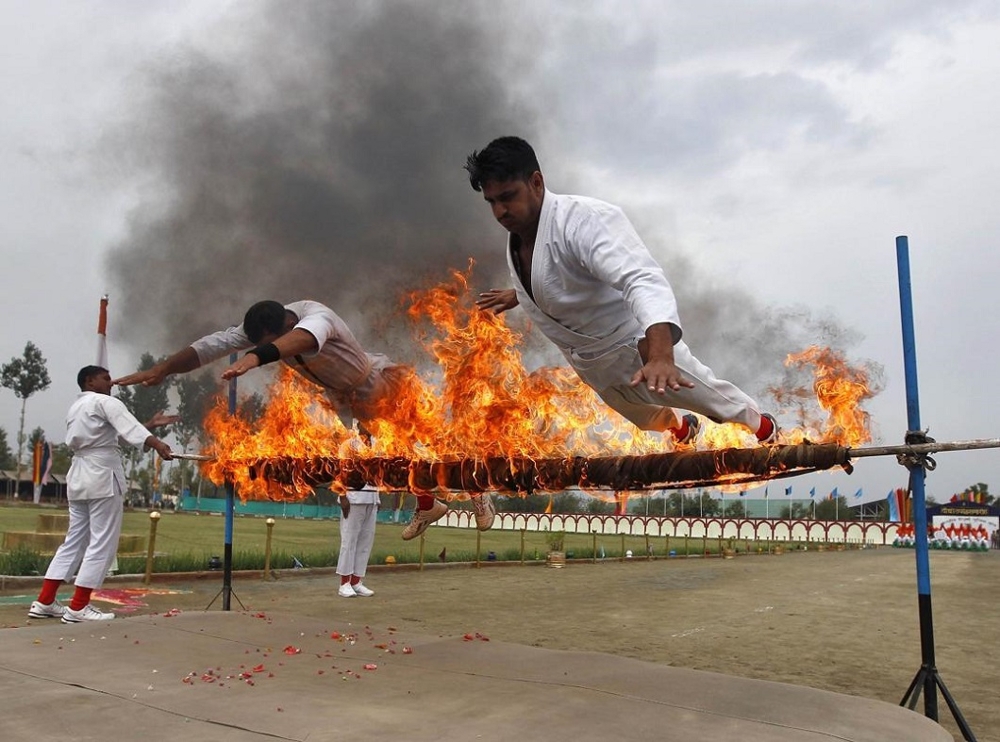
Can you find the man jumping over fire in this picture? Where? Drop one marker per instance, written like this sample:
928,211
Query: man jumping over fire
587,281
312,339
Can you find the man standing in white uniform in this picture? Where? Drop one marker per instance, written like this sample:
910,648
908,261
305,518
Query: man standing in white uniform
358,512
588,282
96,425
318,344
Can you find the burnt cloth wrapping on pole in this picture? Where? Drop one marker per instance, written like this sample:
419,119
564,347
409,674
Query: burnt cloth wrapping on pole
677,470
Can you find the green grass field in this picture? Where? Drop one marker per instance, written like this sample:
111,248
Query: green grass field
186,541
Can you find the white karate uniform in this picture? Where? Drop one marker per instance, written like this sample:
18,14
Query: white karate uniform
96,426
357,533
595,289
352,378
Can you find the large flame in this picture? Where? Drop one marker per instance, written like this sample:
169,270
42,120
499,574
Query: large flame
478,401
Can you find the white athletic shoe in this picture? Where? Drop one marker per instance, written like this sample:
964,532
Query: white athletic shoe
485,511
55,609
361,591
87,613
423,518
347,591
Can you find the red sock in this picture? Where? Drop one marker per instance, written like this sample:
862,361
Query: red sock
344,579
425,502
49,590
765,429
355,579
81,596
681,432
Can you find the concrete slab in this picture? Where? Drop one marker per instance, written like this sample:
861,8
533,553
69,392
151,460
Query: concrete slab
247,676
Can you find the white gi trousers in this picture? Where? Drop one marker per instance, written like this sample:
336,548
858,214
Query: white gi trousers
357,535
91,541
717,399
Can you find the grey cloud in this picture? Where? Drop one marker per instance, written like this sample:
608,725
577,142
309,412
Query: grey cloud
316,153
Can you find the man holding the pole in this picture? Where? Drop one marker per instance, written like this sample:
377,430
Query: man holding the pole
95,426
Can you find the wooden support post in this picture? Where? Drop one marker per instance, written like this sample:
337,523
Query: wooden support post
267,549
154,518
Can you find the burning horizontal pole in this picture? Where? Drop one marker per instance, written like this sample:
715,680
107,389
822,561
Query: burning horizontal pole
675,470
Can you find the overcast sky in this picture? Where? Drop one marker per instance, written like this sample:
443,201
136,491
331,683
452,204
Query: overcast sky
191,157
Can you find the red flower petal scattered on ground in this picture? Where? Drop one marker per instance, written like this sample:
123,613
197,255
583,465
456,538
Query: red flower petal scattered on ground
371,666
292,650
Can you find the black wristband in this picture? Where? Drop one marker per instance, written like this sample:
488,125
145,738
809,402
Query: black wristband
266,353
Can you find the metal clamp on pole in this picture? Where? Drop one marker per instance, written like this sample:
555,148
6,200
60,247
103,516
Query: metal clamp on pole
913,459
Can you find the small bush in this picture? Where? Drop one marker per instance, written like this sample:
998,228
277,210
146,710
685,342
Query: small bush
22,561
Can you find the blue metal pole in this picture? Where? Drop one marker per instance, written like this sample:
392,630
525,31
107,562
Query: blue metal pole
227,574
927,678
917,476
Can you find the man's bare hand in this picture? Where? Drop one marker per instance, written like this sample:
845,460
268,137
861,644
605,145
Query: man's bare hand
159,420
150,377
497,300
661,375
160,447
246,363
345,506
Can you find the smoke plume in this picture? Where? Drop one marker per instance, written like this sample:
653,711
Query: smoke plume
315,150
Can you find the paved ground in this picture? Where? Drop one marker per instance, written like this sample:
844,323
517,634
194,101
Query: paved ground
631,638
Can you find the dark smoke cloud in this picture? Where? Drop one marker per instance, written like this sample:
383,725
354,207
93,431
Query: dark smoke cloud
311,150
315,150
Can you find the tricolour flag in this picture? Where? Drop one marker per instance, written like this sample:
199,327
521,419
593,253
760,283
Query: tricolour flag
788,491
102,334
46,462
812,492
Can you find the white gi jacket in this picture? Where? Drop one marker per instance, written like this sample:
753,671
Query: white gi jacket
96,426
594,287
341,366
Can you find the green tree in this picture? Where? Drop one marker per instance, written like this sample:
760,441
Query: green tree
36,435
144,402
25,376
197,394
597,506
6,456
62,457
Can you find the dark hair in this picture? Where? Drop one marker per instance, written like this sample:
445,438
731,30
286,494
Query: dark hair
264,317
87,373
506,158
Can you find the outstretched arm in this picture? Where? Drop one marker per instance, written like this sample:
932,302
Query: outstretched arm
292,343
179,363
497,300
658,369
159,420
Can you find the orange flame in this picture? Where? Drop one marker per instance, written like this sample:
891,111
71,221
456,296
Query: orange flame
839,390
478,401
